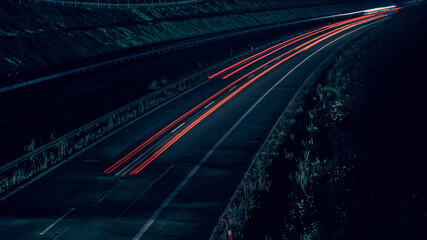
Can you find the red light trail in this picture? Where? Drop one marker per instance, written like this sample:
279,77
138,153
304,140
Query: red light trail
295,39
198,120
308,44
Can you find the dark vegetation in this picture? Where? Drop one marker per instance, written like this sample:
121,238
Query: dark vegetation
354,160
347,160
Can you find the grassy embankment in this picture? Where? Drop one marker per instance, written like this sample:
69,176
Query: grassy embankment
346,160
37,39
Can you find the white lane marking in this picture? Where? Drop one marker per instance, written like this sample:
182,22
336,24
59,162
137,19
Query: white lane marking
168,200
92,161
231,89
110,190
98,141
163,224
145,190
137,161
58,234
138,197
145,154
251,76
178,127
209,104
57,221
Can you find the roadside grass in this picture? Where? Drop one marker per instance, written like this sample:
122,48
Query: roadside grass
345,161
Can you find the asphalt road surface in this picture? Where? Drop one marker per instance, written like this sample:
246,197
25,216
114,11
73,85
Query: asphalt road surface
177,185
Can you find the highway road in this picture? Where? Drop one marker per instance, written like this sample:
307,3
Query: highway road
170,174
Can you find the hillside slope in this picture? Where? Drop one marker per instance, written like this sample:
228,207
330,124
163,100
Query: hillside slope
35,37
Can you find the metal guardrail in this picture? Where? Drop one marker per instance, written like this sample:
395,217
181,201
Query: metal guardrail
118,3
